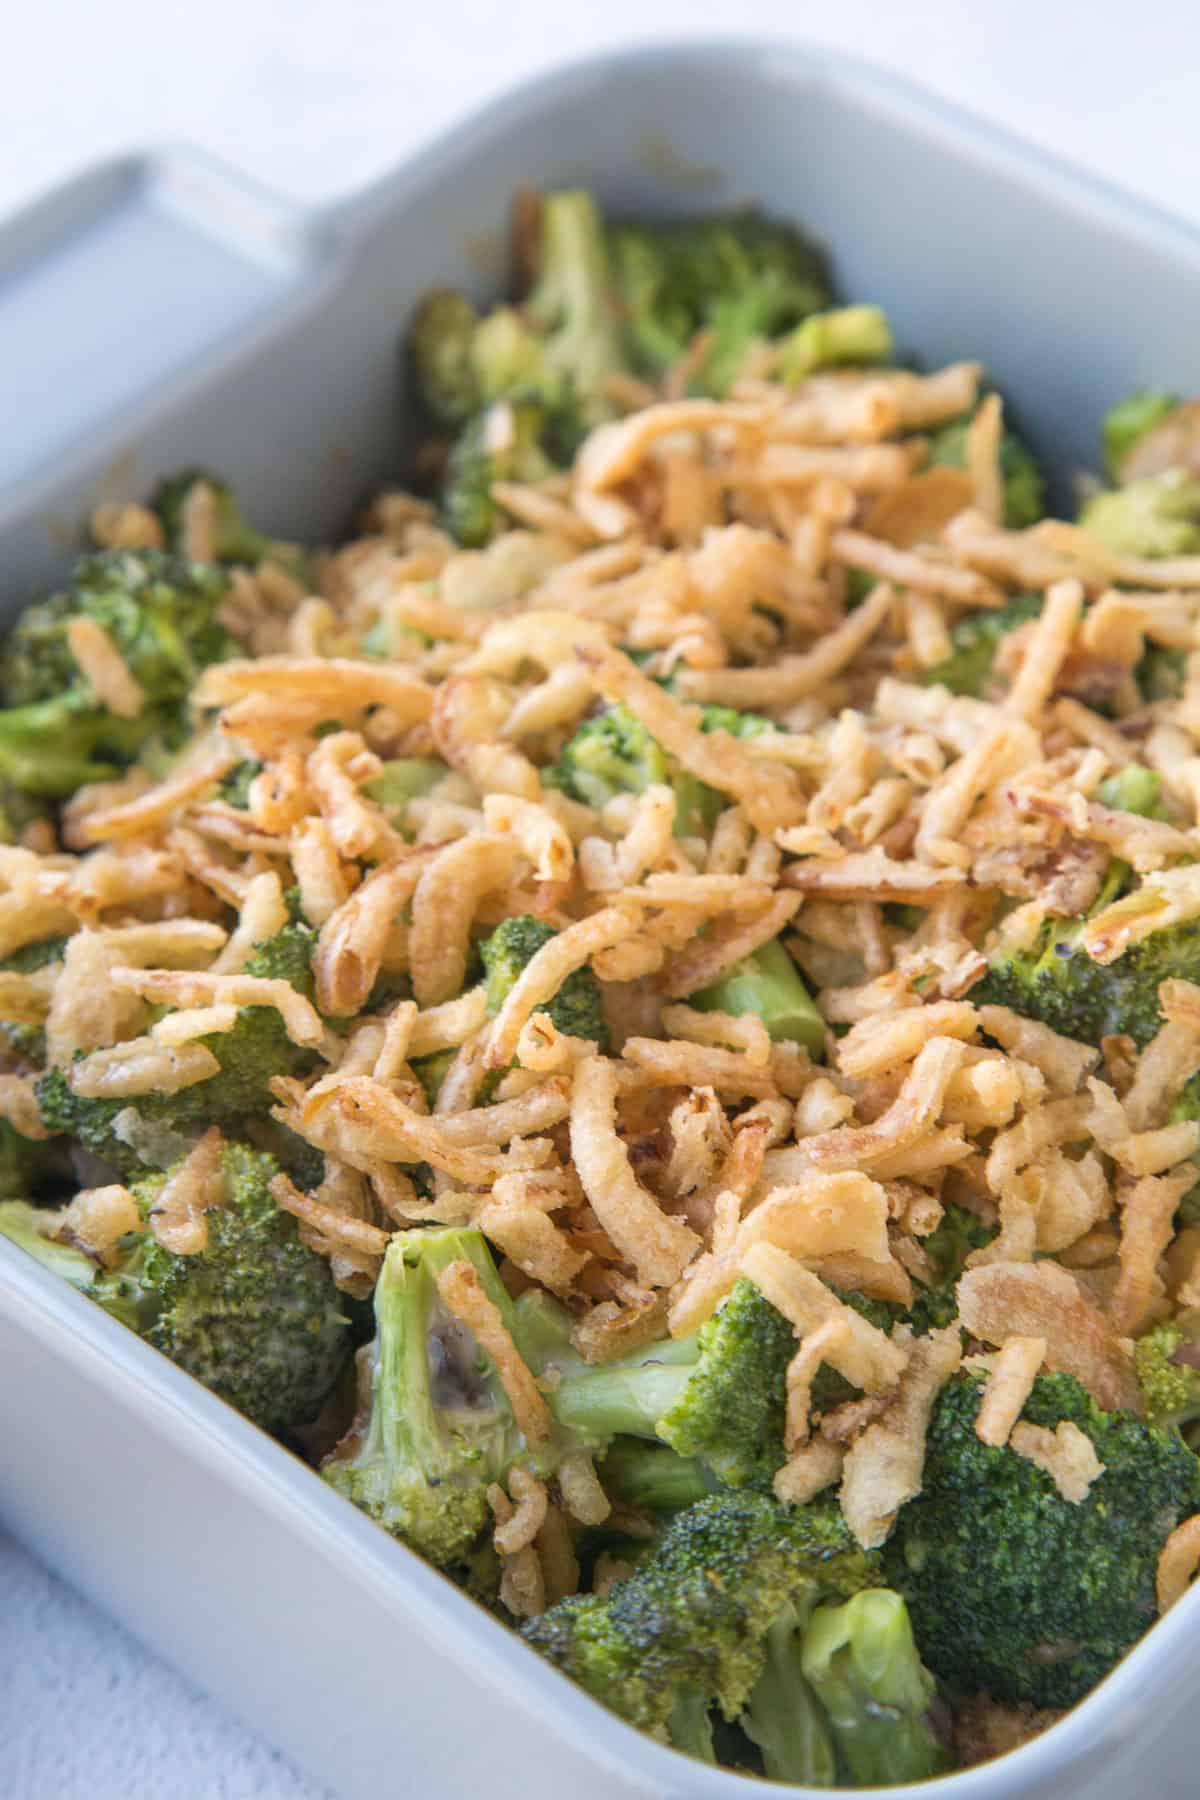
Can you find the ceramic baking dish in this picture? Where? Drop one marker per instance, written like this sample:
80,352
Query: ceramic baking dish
160,311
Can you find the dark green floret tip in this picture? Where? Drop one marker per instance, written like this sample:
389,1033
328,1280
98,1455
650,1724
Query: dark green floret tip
576,1009
1015,1591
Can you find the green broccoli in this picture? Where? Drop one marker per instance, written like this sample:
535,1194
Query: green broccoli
504,443
948,1246
976,638
234,786
768,983
717,1397
520,387
52,747
652,1476
879,1698
159,612
783,1716
570,305
613,753
235,540
436,1427
1015,1591
255,1315
1172,442
576,1009
739,276
405,778
1057,982
1167,1360
441,351
689,1625
431,1071
1157,515
1134,789
1024,483
1127,423
55,735
555,350
848,334
251,1054
31,1229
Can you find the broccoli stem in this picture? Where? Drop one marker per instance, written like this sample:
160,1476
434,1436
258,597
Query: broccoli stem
23,1225
690,1727
626,1399
653,1476
783,1716
1132,789
405,778
861,1660
769,984
847,334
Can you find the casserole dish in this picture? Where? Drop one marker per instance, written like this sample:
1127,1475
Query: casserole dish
203,321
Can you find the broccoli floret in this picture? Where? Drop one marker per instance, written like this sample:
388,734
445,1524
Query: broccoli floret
848,334
435,1426
440,347
862,1662
1024,483
55,735
520,387
613,753
31,1228
1125,425
1158,515
1167,1360
1015,1591
576,1009
235,540
570,306
690,1623
976,638
1057,982
768,984
717,1397
255,1315
505,443
739,276
948,1246
251,1054
52,747
159,612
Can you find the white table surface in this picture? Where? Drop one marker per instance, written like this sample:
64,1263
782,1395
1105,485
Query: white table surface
315,99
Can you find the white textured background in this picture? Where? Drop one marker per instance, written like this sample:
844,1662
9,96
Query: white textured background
314,99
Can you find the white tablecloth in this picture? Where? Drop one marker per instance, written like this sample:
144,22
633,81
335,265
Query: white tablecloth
315,99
